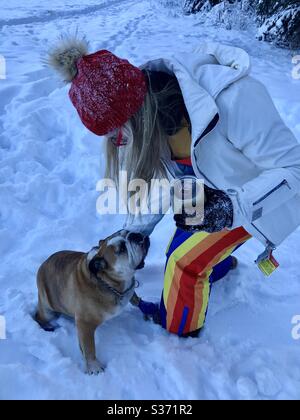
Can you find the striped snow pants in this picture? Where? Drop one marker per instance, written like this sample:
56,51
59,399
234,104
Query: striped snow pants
194,262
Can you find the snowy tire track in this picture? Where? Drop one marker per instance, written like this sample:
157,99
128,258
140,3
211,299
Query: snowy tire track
124,34
49,16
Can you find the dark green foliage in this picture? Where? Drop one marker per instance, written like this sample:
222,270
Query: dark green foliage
278,20
267,8
195,6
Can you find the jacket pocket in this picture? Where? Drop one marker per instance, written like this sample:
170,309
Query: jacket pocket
266,200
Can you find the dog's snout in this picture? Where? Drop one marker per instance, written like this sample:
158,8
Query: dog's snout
136,237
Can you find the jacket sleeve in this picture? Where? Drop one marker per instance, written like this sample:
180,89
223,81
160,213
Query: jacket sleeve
257,130
144,224
155,206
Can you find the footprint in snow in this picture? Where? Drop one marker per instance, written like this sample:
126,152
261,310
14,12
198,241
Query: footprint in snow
247,388
268,384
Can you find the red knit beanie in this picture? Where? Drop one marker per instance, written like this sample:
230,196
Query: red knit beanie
106,91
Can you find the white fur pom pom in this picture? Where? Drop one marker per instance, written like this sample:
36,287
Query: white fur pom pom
64,56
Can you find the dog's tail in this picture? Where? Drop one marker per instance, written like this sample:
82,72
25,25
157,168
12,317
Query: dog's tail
63,57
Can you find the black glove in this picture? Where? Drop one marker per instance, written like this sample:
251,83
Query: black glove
218,213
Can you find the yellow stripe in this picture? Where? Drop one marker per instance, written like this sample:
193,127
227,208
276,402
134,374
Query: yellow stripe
205,299
180,252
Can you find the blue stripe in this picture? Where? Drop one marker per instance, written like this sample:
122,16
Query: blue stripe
163,313
221,270
179,238
183,320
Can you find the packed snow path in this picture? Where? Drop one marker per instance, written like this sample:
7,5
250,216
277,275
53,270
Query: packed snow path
49,167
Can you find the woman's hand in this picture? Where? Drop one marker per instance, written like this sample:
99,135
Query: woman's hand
218,213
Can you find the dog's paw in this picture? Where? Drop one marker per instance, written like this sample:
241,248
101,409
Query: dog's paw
94,368
135,300
49,326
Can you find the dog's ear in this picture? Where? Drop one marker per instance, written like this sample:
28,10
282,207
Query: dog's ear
101,242
141,266
97,265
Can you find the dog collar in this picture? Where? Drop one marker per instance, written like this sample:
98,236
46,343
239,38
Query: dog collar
118,295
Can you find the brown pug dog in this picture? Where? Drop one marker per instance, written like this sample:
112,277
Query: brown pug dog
91,288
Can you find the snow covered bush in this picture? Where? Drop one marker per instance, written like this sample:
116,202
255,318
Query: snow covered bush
193,6
233,14
173,7
279,22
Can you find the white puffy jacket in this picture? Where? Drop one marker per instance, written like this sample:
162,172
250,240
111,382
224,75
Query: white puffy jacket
248,152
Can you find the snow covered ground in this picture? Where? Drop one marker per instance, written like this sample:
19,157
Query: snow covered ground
49,166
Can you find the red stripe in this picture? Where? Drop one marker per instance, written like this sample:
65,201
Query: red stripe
274,261
186,297
190,276
187,161
202,264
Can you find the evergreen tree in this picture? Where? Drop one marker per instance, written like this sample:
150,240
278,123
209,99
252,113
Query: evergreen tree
195,6
279,22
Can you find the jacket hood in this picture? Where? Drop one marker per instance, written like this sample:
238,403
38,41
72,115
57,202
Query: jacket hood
203,74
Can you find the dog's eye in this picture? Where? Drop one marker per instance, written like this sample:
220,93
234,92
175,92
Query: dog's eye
122,248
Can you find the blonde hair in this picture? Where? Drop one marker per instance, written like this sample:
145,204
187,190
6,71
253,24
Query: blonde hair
149,130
